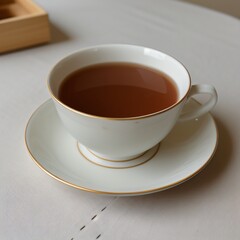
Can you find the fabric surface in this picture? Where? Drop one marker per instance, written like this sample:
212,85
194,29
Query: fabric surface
35,206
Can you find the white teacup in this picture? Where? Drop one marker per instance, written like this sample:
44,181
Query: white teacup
122,142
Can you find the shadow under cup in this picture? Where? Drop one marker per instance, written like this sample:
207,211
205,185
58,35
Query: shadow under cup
119,140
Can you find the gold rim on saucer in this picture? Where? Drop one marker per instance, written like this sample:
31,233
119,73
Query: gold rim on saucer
152,190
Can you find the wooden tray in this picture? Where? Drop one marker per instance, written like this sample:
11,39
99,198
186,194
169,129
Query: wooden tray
22,24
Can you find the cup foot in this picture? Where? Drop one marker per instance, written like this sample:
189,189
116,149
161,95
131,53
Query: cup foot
123,163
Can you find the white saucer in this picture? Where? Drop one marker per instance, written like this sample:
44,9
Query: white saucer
183,154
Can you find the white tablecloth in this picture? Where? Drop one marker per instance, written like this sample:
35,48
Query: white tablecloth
35,206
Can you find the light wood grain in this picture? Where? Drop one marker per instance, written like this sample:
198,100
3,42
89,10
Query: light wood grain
22,24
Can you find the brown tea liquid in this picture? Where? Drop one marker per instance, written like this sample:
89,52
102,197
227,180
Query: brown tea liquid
118,90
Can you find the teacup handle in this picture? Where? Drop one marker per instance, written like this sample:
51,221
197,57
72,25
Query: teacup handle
206,107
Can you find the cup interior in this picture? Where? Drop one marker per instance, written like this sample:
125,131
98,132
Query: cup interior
121,53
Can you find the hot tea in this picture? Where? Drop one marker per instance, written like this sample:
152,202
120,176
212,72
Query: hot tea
118,90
